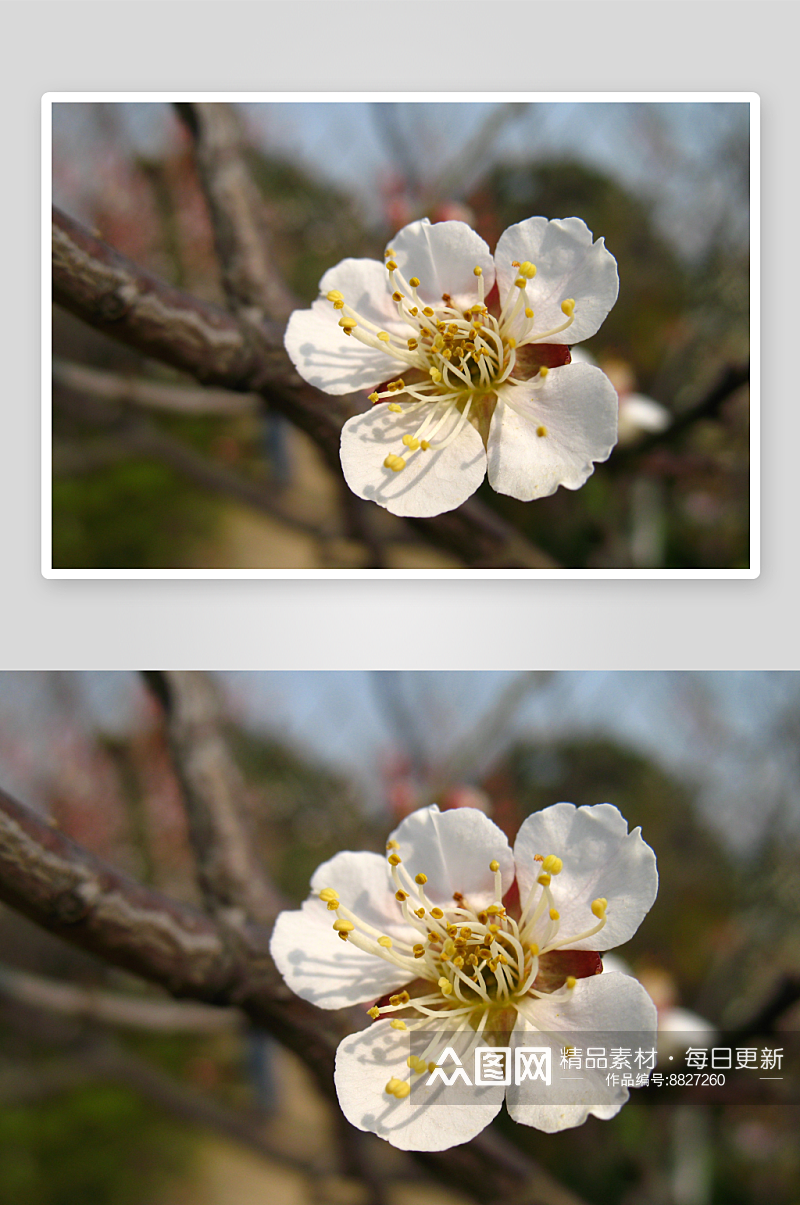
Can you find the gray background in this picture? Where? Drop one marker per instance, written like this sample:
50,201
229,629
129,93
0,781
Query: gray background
372,45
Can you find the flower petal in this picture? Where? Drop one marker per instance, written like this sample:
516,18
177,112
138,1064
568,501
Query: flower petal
318,347
601,1011
443,257
432,482
575,408
568,265
366,1061
454,850
314,961
601,860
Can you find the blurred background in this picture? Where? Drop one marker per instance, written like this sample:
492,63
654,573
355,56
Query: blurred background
102,1107
666,185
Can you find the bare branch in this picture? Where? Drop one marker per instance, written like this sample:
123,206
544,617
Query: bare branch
252,283
708,406
66,889
152,395
113,1008
121,299
230,876
77,896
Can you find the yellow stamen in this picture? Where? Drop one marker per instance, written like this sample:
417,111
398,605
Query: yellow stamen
552,864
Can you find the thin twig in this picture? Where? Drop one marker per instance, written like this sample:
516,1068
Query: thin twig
113,1008
151,395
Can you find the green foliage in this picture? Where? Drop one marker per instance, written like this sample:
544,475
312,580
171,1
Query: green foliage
137,514
98,1145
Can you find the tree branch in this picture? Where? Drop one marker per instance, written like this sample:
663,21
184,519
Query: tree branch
152,395
231,878
77,896
708,406
113,1008
116,296
253,285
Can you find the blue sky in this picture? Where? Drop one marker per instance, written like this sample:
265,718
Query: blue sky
677,154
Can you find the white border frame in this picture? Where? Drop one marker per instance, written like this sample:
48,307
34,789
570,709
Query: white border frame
751,98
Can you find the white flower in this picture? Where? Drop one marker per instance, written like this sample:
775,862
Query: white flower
467,357
459,934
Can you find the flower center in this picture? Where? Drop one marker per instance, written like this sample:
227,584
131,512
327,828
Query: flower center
478,965
451,357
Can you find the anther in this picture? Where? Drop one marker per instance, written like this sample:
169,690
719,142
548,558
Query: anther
395,463
384,336
335,295
412,444
571,981
343,926
476,271
554,914
400,998
386,942
327,895
543,371
437,912
393,406
397,1024
423,443
373,397
541,432
552,864
414,282
374,1012
391,266
394,860
445,986
420,912
527,269
599,907
568,307
392,845
544,879
494,865
401,896
421,879
398,1087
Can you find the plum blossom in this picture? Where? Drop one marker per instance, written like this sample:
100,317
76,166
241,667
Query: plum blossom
453,932
466,357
